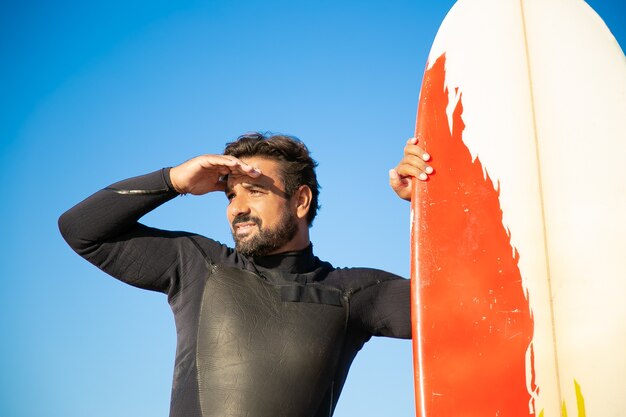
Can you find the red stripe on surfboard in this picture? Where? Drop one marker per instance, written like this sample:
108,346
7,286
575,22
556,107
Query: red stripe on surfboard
476,322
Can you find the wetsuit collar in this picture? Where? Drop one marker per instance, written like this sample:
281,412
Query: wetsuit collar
296,262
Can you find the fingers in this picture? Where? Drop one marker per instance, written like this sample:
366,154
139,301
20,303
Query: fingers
412,149
408,170
400,185
226,164
395,180
206,173
243,168
414,163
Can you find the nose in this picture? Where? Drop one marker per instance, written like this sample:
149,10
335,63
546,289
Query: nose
238,206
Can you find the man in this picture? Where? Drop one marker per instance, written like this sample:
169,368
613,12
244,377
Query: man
265,329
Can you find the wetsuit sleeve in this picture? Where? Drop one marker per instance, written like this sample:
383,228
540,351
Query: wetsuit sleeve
104,229
383,308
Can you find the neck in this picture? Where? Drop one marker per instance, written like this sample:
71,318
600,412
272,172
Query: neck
296,262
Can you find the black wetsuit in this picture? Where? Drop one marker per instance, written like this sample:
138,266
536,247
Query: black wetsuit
264,336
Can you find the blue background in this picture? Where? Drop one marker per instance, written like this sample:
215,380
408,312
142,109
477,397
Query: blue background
93,93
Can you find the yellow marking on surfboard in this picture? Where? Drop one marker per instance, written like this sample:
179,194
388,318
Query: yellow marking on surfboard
580,403
541,199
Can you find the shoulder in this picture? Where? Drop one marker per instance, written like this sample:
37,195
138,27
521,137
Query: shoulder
216,252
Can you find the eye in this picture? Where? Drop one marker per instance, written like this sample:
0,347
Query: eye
230,196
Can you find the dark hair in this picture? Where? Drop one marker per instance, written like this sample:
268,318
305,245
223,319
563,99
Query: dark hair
296,165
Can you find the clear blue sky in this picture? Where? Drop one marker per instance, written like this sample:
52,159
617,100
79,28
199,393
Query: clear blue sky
93,93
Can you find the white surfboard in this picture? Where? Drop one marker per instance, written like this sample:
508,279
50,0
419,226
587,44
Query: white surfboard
523,109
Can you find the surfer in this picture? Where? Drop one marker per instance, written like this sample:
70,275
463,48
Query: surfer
266,328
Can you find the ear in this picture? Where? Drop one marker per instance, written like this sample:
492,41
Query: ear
302,201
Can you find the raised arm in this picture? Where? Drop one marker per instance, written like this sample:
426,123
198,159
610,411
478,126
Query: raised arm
104,228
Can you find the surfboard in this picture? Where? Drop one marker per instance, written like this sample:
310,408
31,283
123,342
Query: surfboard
518,271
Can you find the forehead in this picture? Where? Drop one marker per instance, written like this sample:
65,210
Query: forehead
270,178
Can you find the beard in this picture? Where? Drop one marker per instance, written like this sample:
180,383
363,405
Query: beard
265,241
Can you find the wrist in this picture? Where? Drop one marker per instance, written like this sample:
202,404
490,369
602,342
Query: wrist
171,180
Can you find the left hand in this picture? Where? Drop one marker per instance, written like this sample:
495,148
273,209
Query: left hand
413,164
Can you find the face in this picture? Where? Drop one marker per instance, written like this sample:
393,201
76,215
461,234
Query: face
262,218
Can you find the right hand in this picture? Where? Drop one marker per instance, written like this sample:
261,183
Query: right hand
413,165
202,174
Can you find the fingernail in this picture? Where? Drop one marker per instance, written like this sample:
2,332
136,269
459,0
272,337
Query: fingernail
429,170
423,176
426,157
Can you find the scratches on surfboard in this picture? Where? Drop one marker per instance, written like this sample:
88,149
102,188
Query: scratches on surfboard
477,325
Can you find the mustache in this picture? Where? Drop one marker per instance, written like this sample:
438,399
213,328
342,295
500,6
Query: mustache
244,218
